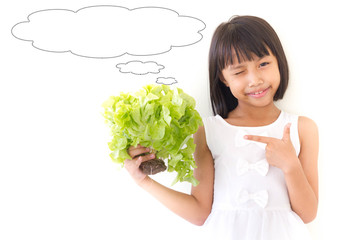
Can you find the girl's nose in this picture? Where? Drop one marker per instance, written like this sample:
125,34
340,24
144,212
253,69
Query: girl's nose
255,79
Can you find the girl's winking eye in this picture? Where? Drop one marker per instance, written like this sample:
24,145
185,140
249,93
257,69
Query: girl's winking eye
238,73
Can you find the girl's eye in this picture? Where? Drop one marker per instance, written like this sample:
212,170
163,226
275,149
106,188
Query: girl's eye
238,73
264,64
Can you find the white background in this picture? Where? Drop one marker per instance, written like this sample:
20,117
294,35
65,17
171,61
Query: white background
56,178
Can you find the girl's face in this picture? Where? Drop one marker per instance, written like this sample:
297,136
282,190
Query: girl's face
253,82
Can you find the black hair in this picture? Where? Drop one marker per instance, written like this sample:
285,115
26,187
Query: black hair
244,36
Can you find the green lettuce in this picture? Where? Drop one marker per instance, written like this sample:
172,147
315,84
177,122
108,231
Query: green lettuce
159,117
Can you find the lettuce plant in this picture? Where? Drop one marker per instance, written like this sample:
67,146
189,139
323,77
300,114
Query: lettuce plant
158,117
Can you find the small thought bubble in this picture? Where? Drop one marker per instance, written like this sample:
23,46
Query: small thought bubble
109,31
139,68
166,80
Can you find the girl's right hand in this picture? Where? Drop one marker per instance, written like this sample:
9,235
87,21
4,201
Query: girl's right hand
132,165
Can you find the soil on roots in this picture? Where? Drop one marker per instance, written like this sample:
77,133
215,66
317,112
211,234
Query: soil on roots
153,166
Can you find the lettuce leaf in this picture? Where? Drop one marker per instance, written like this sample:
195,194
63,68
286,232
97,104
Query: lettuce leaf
159,117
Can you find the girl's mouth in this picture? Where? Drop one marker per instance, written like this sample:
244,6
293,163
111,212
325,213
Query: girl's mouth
259,94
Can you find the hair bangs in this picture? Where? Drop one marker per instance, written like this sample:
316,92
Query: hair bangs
242,45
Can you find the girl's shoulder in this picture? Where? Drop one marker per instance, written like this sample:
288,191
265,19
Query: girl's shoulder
306,121
307,125
303,121
210,121
210,118
307,128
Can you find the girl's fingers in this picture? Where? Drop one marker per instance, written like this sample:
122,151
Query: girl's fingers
132,166
145,158
286,135
136,151
135,162
261,139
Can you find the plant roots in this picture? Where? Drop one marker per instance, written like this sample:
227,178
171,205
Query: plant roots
153,166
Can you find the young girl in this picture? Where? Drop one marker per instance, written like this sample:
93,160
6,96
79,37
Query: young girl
257,165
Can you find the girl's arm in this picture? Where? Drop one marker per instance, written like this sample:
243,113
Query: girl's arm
194,207
302,177
301,172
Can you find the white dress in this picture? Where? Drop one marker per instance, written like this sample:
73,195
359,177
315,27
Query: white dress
250,196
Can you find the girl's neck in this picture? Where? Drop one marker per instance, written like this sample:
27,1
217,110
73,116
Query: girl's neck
254,116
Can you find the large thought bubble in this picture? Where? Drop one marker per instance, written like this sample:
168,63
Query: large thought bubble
109,31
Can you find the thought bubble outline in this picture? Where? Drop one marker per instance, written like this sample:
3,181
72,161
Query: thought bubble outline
159,66
165,78
118,55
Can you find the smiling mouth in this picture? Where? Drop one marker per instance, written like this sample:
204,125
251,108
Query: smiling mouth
259,93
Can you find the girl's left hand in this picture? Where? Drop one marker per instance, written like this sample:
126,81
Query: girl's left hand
279,152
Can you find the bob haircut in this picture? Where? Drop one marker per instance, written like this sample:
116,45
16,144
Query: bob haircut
244,36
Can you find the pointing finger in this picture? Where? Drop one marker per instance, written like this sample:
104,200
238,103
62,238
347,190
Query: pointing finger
286,135
261,139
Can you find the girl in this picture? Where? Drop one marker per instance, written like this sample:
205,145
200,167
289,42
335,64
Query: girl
257,165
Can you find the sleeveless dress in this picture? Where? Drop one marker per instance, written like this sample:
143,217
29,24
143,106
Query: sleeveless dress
251,201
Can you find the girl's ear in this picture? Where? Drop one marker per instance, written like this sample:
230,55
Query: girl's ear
222,79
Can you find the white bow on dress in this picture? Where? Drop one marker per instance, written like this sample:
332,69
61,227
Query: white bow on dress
260,197
262,167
